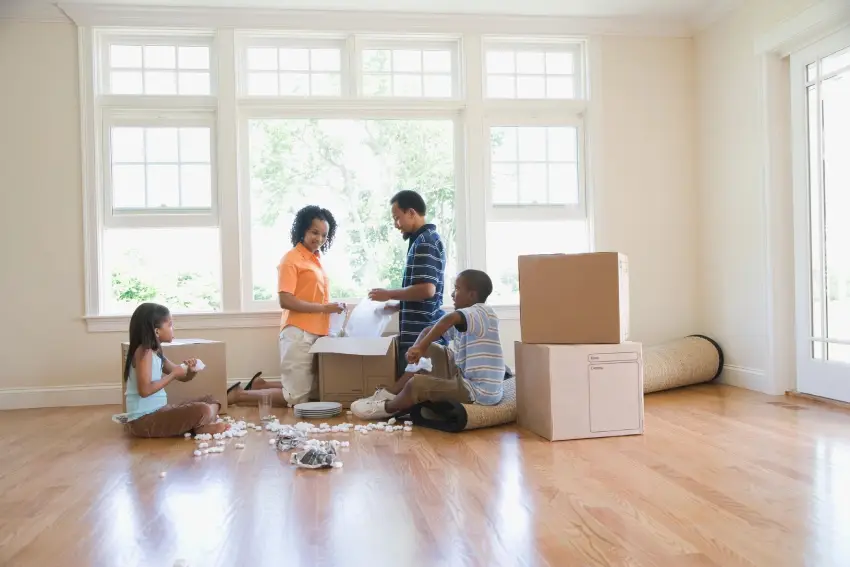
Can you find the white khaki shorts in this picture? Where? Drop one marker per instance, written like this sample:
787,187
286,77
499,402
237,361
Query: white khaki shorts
297,368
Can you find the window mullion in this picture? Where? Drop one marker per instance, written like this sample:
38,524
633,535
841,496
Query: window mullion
472,198
227,179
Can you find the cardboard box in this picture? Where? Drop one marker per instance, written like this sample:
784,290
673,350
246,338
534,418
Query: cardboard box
353,368
212,380
574,298
580,391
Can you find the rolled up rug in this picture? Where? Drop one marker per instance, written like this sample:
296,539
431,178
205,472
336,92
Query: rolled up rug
454,417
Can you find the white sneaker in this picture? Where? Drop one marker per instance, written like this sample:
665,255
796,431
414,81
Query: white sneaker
381,394
369,408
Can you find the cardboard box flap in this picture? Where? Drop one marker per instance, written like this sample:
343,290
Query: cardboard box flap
377,346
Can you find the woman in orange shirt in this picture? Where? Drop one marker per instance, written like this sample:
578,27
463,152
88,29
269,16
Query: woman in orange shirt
304,295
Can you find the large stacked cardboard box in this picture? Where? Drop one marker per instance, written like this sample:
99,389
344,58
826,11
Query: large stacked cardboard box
211,381
578,376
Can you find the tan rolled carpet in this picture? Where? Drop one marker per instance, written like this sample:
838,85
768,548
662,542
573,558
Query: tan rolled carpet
455,417
683,362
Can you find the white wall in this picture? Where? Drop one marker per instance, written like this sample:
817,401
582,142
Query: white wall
645,206
733,240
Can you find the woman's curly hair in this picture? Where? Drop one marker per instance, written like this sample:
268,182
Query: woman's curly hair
304,218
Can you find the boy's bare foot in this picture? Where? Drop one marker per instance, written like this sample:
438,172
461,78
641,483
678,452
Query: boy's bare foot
212,428
233,395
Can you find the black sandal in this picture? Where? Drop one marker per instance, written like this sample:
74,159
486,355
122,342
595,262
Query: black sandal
251,382
233,387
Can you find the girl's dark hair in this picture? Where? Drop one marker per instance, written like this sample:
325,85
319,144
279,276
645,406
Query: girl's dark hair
143,324
305,217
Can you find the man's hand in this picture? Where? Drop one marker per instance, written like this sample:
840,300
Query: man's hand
414,353
380,295
391,308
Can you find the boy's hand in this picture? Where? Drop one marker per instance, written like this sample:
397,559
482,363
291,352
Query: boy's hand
414,353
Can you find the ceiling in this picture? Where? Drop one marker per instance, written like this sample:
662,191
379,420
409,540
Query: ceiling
694,12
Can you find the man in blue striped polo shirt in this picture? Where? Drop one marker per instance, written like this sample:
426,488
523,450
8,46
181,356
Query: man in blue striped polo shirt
421,296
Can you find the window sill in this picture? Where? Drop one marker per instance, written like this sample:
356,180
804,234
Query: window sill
233,320
221,320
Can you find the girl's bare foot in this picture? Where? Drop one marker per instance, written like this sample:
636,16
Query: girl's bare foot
212,428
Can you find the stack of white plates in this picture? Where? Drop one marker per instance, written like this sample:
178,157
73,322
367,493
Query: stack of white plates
318,410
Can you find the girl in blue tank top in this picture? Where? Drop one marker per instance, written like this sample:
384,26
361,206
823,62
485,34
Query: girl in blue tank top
147,372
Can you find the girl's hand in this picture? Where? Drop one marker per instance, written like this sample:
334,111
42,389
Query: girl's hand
333,308
179,372
191,363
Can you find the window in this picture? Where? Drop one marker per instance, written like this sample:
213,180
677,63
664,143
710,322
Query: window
353,168
149,68
294,70
507,240
178,267
162,167
534,165
536,200
530,71
408,72
202,146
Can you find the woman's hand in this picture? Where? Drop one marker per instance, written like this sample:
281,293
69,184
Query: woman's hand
333,308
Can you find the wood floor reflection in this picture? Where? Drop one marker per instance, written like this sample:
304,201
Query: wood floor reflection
723,477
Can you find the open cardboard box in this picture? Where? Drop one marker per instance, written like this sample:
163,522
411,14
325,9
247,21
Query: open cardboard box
352,368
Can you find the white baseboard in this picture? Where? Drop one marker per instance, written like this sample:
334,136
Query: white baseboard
69,396
749,378
60,396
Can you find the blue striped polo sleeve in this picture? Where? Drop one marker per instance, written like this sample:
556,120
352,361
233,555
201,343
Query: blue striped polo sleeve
427,264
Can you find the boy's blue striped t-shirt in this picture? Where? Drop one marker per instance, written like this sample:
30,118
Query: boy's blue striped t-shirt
478,353
426,263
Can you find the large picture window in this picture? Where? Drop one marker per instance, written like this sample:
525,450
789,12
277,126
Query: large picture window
207,144
353,168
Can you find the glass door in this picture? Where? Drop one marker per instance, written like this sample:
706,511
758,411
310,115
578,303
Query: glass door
821,145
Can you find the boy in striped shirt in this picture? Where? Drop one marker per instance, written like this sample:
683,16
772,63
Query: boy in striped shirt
470,370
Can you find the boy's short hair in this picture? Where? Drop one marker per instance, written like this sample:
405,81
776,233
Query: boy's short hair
478,282
408,199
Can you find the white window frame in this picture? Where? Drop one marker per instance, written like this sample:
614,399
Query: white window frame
450,44
145,217
246,40
105,39
284,112
229,108
544,212
560,45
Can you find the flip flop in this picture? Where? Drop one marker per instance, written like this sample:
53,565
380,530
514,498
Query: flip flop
250,384
236,385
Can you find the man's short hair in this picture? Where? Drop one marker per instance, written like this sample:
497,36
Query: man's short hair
479,282
408,199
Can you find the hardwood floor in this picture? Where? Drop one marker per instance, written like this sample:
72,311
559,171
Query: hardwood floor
723,477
